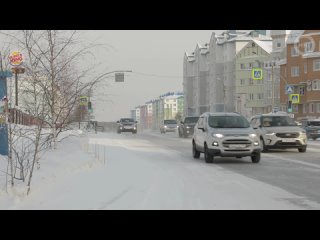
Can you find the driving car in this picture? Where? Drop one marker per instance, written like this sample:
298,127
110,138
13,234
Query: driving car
169,125
186,126
312,127
127,125
279,131
226,135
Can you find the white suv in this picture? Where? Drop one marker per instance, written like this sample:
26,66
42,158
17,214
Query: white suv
225,135
279,131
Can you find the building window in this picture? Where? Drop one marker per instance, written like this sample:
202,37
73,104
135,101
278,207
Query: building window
316,65
308,47
295,108
250,65
311,107
304,108
294,52
301,90
315,85
242,66
260,95
251,96
305,67
250,81
295,71
278,45
242,81
318,107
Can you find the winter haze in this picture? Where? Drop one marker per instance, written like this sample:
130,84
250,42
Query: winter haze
154,56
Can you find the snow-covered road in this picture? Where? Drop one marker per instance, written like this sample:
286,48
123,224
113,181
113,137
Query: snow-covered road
132,172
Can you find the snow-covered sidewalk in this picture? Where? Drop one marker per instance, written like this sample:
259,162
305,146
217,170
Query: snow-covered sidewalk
131,173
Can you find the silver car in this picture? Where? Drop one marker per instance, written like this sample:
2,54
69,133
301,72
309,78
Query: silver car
169,125
279,131
225,135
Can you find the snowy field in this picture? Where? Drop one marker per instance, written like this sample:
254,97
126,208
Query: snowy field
111,171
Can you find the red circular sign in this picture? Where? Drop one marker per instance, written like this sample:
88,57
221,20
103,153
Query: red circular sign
15,58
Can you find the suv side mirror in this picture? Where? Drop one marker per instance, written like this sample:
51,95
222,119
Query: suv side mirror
201,129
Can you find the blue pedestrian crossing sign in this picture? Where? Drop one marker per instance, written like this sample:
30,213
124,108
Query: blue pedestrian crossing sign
289,89
257,73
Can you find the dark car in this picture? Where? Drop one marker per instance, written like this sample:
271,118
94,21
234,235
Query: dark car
186,127
312,128
127,125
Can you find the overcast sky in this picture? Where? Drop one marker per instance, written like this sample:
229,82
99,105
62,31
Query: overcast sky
146,53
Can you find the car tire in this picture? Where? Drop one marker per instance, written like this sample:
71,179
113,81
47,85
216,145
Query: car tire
195,152
256,158
207,156
303,149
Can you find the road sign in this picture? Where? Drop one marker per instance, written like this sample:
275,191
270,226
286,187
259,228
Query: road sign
289,89
83,101
295,98
15,58
257,74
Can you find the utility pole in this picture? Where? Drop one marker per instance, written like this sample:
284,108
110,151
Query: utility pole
272,78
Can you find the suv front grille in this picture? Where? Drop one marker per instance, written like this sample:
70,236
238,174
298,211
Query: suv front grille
287,135
228,143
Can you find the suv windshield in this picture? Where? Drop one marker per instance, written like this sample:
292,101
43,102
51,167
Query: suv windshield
170,122
126,120
191,120
277,121
228,122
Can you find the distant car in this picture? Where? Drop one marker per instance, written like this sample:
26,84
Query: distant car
127,125
279,131
169,125
225,135
312,128
186,127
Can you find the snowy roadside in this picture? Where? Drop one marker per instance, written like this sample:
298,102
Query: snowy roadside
140,175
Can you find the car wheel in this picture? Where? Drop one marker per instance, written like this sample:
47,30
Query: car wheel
256,157
303,149
207,156
264,147
195,152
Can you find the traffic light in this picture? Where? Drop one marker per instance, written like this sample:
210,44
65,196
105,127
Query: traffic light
89,106
289,106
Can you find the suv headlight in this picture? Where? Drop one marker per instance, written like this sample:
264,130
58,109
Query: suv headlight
218,135
252,135
268,133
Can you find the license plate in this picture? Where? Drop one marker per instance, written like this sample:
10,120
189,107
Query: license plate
127,127
237,146
288,140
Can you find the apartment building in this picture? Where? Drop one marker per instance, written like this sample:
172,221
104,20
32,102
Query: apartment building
300,72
